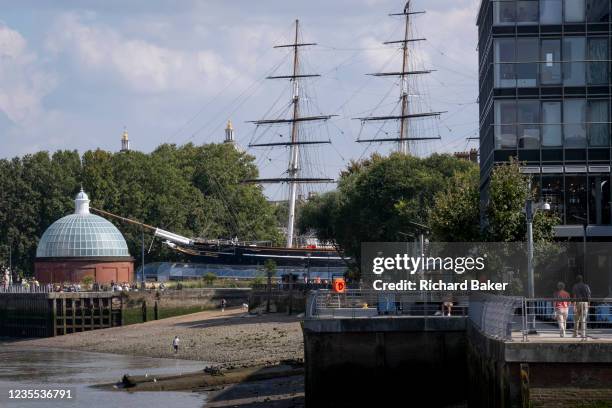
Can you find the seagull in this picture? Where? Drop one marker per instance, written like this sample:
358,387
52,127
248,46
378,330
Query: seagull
407,7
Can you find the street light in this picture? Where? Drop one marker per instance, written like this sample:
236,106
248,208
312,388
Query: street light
530,210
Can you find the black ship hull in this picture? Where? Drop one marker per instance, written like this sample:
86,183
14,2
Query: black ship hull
257,255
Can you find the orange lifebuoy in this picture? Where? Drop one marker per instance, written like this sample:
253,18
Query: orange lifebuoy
339,285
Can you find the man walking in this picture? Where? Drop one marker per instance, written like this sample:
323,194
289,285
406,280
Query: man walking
175,344
582,292
561,307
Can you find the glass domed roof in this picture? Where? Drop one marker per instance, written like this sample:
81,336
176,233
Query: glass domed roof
82,234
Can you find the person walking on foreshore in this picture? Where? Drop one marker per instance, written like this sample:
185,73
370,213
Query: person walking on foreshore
561,307
223,304
582,292
175,343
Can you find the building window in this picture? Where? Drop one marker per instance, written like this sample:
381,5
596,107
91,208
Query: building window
574,11
527,12
597,71
505,124
550,70
528,124
551,11
505,57
598,11
576,199
552,193
527,57
598,126
505,12
510,12
571,62
599,199
574,52
551,124
574,126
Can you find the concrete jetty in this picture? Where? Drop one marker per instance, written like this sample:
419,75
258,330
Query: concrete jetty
439,361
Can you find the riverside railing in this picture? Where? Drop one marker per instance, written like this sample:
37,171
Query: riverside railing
361,303
541,318
24,289
494,315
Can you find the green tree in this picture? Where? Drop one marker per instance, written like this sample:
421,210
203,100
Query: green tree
380,199
209,278
455,215
192,190
505,215
456,211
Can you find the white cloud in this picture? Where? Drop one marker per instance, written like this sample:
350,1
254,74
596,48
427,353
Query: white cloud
23,81
141,65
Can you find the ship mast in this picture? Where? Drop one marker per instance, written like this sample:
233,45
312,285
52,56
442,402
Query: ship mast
293,178
404,138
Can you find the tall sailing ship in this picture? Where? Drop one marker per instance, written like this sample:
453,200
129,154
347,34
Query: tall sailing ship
232,252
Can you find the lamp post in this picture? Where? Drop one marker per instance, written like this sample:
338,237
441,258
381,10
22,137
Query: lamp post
530,209
142,267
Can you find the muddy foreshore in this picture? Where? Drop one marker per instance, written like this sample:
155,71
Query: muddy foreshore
231,339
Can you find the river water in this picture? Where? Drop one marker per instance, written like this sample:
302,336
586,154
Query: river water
36,368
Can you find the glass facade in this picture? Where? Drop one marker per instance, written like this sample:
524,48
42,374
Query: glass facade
82,235
526,62
529,123
531,12
545,99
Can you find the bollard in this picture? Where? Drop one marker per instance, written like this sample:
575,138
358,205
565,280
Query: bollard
144,311
156,311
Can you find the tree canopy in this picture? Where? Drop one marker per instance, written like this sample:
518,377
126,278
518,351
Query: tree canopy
455,215
191,190
380,199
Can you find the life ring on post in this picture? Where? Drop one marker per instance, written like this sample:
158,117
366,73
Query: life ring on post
339,285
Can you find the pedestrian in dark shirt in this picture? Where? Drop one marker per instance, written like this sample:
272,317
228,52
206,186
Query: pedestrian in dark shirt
582,292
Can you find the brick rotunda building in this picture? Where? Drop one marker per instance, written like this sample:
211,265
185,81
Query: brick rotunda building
83,244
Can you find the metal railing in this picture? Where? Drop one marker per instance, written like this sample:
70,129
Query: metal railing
494,315
505,318
360,303
549,318
24,289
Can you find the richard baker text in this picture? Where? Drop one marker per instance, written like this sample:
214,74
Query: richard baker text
431,285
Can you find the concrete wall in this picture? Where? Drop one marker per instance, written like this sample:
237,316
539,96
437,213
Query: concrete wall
205,297
436,362
516,374
354,361
280,301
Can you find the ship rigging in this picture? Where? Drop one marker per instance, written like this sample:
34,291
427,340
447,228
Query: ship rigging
405,139
294,172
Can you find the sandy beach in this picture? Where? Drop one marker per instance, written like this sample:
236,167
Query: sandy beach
230,338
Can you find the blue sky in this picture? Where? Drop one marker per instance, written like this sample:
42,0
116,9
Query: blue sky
74,73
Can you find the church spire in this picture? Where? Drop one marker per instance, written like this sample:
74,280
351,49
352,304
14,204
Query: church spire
229,133
125,141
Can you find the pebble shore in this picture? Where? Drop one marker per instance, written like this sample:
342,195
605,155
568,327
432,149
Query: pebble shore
232,338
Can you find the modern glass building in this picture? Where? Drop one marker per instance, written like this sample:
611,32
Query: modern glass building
545,99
